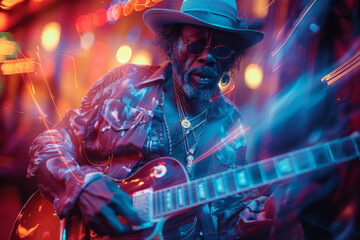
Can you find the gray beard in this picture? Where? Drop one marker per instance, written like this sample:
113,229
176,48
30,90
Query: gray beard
201,92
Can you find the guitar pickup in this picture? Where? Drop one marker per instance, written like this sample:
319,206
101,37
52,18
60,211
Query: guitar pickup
143,201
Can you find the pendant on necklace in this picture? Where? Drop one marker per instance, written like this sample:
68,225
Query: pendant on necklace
189,159
189,168
185,123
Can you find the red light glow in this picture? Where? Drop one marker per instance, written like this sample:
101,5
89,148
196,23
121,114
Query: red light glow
8,4
3,21
99,17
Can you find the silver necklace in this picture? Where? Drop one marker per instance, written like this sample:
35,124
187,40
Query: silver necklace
185,129
166,125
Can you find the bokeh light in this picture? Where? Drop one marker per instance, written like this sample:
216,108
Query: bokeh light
50,36
133,34
87,40
7,47
139,5
253,76
128,8
260,8
9,4
114,13
123,54
314,27
3,21
142,58
99,17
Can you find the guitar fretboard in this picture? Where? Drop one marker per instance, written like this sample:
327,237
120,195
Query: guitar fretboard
207,189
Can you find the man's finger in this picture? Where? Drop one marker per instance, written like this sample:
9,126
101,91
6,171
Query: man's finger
112,223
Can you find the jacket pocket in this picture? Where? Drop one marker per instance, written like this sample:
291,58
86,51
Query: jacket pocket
120,128
121,116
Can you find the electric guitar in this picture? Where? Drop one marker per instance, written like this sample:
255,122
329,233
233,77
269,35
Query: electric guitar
161,189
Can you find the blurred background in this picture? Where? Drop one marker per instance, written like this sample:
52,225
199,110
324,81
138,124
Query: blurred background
299,87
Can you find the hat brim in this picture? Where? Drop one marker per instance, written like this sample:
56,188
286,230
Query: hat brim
157,18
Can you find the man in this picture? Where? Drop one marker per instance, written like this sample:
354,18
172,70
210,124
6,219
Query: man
135,114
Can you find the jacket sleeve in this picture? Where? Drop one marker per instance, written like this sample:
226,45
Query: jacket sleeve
54,154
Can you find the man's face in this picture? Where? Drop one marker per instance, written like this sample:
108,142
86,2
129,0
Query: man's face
197,75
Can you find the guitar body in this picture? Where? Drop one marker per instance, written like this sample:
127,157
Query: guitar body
38,220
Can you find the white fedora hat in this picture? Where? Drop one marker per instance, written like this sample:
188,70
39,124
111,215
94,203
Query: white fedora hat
217,14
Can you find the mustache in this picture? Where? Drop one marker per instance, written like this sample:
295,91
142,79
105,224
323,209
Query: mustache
206,71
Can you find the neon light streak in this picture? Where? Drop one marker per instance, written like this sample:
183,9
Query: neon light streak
73,61
30,87
293,29
232,88
232,136
342,70
43,116
278,67
271,3
48,86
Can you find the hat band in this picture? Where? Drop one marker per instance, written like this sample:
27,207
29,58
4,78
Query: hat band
213,19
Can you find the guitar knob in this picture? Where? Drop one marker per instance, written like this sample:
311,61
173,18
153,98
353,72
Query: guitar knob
159,171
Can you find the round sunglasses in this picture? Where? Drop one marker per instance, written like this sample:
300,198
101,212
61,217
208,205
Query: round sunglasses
219,51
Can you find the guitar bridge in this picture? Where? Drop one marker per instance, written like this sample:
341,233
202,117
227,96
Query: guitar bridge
142,200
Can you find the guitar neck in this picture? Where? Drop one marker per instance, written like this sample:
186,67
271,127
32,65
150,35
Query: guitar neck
180,197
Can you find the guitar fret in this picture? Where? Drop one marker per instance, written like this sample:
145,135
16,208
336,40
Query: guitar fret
226,184
321,156
155,204
174,198
328,148
254,174
200,189
302,161
162,202
241,179
284,166
211,187
187,194
219,185
168,200
343,150
230,180
269,170
193,192
311,159
356,141
180,196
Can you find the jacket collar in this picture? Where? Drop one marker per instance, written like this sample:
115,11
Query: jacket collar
157,77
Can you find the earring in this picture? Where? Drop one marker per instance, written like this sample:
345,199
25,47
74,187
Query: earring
225,79
169,57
